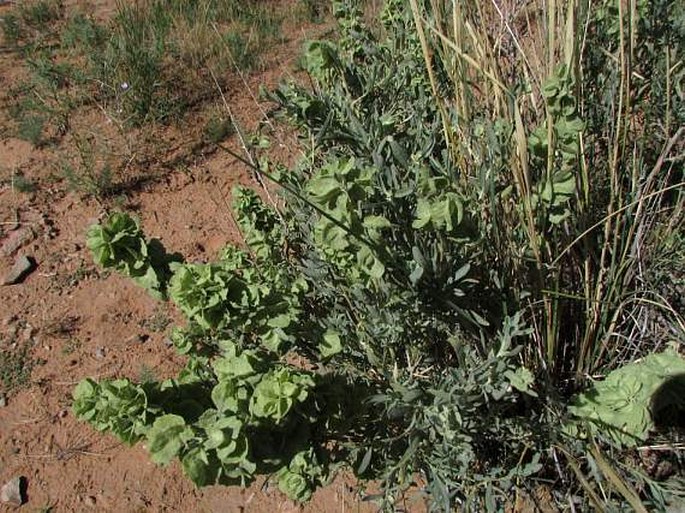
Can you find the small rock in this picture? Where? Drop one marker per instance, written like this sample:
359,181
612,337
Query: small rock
100,353
90,501
11,492
15,240
3,401
23,266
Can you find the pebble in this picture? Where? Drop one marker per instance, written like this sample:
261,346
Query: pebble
90,501
100,353
11,492
23,266
3,401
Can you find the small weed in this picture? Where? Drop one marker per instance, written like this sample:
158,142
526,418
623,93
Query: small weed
88,180
49,74
218,129
12,30
22,184
42,104
31,25
238,49
82,272
15,367
31,128
90,175
83,32
40,13
70,346
314,10
62,327
158,321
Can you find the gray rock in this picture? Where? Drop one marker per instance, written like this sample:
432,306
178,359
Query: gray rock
22,267
12,492
15,240
3,401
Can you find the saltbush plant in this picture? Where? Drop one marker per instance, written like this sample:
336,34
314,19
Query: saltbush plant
470,240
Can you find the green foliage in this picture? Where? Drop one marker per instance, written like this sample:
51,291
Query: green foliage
117,406
436,271
622,407
217,129
22,184
120,245
253,427
138,58
16,364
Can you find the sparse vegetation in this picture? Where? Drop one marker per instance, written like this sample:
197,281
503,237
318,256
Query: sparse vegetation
470,287
154,63
22,184
88,174
16,364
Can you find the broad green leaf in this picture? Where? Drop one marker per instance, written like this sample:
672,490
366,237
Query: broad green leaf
228,396
167,437
277,392
621,405
324,189
521,379
376,222
197,466
295,486
331,236
423,214
330,345
235,452
236,366
280,321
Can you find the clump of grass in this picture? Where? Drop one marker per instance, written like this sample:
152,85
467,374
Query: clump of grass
149,39
70,346
31,128
32,24
82,31
42,104
91,173
38,14
12,30
146,374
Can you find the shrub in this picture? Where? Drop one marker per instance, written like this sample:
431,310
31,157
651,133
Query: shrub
462,249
